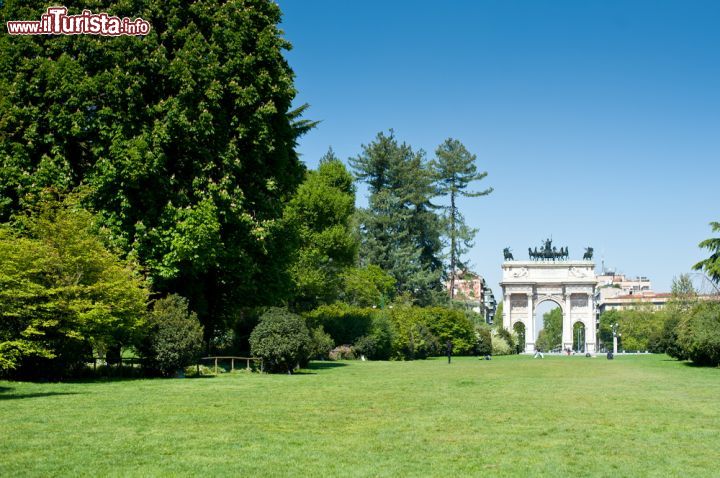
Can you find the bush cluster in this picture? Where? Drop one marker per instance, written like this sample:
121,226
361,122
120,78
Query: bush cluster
698,334
282,340
342,352
173,338
401,332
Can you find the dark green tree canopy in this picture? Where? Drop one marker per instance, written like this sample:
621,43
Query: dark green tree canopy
185,138
173,336
711,265
400,231
281,339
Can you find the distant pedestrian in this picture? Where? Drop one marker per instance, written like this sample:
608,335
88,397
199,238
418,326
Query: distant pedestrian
448,350
538,353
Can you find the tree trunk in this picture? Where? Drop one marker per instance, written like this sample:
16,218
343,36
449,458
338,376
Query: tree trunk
452,245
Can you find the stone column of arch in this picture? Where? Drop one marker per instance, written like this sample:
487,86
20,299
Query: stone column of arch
530,325
567,331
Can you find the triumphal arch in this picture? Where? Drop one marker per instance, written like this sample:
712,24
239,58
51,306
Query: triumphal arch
550,275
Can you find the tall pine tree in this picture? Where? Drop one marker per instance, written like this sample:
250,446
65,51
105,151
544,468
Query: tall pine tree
455,169
400,231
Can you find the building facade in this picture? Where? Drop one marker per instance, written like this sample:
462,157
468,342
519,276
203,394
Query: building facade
472,290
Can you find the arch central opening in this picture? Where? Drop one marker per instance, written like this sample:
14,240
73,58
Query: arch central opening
548,325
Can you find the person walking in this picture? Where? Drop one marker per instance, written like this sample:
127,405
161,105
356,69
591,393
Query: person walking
538,353
448,350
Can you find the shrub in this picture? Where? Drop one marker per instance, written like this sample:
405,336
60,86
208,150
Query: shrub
699,334
500,346
377,345
173,336
63,293
281,339
509,338
669,343
453,325
344,323
484,340
412,335
320,344
342,352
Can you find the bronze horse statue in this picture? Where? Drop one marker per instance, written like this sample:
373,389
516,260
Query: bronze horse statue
588,254
508,255
547,251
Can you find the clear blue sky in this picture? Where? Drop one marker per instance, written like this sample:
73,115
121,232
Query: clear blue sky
598,121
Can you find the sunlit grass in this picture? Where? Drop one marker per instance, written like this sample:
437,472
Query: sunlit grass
511,416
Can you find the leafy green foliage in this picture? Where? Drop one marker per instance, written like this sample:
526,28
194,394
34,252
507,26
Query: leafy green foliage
320,344
640,327
62,293
699,334
578,337
500,346
668,342
281,339
498,322
711,265
684,297
377,344
400,231
551,334
508,337
321,211
367,286
401,332
483,336
413,337
185,138
518,335
173,337
453,325
420,332
343,322
454,169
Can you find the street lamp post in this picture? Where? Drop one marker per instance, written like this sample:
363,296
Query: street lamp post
615,337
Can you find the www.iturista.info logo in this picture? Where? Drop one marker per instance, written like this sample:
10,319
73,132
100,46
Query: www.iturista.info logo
57,22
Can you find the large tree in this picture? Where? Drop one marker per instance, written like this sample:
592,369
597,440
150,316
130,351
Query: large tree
322,212
185,137
711,265
455,169
400,231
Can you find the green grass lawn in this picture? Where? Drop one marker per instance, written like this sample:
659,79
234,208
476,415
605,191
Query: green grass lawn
511,416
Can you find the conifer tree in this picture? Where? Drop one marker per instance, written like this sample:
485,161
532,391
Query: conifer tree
711,265
455,169
400,231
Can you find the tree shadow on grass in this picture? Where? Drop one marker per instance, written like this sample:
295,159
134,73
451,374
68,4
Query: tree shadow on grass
325,365
6,394
692,364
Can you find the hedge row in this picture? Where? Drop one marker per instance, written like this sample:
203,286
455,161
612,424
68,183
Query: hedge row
400,332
